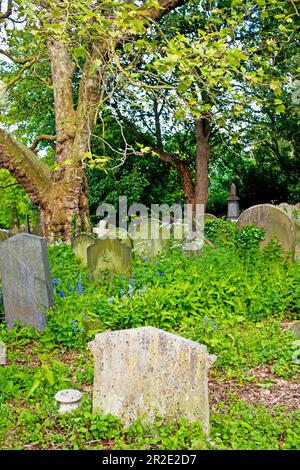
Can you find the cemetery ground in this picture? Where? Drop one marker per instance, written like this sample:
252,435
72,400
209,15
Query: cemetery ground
235,299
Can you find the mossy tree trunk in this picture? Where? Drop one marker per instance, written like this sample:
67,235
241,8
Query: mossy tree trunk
62,194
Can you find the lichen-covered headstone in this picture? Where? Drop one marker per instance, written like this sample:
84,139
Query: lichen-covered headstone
26,282
80,244
108,256
150,237
276,223
101,229
3,235
147,371
2,353
120,234
295,328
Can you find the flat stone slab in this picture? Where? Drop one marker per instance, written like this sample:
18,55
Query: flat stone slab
275,221
26,281
147,371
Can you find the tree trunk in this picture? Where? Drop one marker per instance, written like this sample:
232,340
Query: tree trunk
203,152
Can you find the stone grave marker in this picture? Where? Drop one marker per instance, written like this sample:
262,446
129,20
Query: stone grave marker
150,237
101,229
147,371
26,282
295,328
3,236
276,223
80,244
108,256
2,353
119,234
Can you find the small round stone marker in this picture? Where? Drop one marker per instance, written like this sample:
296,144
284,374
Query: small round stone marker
68,400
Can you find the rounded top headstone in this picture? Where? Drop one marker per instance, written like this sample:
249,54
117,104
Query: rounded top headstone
276,223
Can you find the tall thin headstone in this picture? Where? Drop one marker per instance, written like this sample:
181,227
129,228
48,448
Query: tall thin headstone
26,281
233,211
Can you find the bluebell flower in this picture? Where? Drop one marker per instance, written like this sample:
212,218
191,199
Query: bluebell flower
61,293
122,291
110,301
145,258
74,321
130,290
79,289
124,297
205,319
145,289
132,280
55,282
140,293
160,273
74,328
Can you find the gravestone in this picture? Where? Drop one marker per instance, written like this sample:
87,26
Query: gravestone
108,256
150,237
208,216
3,235
26,282
233,210
101,229
275,222
295,328
80,244
147,371
2,353
119,234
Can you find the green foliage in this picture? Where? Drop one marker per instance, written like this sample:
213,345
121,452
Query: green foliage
231,300
12,193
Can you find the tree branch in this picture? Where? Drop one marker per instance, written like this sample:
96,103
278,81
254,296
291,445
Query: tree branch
9,185
156,14
25,67
50,138
16,60
25,167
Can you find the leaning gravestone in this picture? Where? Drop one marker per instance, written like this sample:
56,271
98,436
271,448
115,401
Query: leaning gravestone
80,244
275,222
26,281
108,256
147,371
150,237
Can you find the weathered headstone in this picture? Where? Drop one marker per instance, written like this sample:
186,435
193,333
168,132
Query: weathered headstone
150,237
3,235
108,256
80,244
295,328
275,222
147,371
26,282
2,353
101,229
233,211
119,234
208,216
